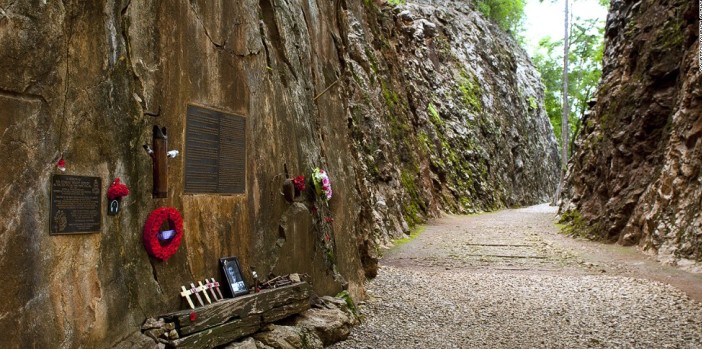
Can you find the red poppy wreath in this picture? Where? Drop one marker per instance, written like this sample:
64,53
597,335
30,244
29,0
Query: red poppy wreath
163,243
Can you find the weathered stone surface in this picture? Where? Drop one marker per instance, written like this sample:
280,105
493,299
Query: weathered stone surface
634,177
288,337
444,115
330,320
137,340
248,343
341,85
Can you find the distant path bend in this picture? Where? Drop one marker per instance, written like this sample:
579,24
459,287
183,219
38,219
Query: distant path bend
509,280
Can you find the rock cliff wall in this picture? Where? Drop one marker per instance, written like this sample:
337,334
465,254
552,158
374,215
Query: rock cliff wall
635,176
412,111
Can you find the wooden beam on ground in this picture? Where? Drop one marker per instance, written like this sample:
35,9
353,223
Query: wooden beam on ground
257,304
219,335
284,311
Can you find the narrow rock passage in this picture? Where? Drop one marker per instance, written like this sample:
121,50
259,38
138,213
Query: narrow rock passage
509,280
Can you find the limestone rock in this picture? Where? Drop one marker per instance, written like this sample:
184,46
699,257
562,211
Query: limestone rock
137,340
634,174
248,343
330,320
288,337
152,323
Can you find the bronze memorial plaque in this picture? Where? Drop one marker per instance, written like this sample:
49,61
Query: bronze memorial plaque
215,152
75,205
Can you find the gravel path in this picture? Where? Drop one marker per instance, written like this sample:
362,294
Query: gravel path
508,280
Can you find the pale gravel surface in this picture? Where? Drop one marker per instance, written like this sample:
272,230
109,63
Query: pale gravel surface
507,280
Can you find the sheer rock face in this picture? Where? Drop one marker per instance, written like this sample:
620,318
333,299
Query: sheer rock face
445,115
410,112
635,175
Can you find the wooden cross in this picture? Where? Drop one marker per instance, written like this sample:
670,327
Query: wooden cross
202,288
210,286
186,294
196,291
216,285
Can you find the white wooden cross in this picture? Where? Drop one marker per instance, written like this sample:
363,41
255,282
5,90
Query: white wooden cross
216,285
210,286
202,288
186,294
196,291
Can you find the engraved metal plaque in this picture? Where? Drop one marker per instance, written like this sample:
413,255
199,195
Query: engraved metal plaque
215,152
75,205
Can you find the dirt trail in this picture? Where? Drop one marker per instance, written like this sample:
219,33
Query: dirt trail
509,280
528,240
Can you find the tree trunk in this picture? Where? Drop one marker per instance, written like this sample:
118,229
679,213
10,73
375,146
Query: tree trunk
564,117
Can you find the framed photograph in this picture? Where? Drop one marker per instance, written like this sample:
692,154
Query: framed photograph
232,273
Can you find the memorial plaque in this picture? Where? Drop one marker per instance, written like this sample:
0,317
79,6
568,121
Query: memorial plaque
215,152
75,205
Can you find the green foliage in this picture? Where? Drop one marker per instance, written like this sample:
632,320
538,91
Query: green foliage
672,35
573,223
349,301
397,2
391,97
585,69
424,141
470,89
507,14
532,102
434,115
413,234
413,207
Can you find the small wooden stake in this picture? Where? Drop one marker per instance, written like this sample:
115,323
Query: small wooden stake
202,288
210,286
186,294
216,285
195,291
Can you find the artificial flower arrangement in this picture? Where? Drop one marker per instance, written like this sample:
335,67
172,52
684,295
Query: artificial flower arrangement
114,195
163,244
293,187
299,183
322,184
117,190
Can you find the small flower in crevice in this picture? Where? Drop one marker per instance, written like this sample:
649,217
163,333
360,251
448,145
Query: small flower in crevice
61,164
327,237
193,316
299,183
328,219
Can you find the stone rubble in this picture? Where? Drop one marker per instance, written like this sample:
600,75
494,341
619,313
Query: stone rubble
327,322
467,309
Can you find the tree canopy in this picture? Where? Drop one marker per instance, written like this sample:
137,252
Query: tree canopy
507,14
585,56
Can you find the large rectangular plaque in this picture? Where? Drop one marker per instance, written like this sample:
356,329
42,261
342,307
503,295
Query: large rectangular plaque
75,205
215,152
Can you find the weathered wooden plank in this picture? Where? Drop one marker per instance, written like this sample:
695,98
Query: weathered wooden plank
284,311
238,308
219,335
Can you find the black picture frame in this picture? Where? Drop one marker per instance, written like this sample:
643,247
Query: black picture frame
232,273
